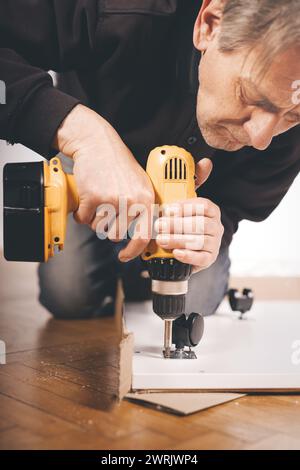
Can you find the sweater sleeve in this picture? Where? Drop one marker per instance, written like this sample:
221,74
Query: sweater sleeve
35,37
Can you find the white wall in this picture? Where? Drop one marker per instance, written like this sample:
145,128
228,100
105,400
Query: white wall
272,247
265,249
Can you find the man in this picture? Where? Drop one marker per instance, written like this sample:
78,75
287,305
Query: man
134,69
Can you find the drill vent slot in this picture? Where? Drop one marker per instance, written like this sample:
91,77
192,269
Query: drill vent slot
176,169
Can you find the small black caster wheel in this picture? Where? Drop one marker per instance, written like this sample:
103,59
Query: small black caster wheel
241,301
188,332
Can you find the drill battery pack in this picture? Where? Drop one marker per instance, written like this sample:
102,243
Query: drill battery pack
23,212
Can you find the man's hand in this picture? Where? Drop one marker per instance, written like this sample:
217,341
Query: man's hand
192,228
106,172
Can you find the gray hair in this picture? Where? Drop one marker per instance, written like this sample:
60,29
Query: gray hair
272,24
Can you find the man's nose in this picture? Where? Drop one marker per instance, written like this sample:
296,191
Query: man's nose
261,128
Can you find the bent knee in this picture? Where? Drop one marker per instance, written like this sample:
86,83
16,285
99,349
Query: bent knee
208,288
67,301
205,300
76,308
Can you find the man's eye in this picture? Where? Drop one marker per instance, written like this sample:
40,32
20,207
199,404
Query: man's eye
293,118
249,102
257,103
294,122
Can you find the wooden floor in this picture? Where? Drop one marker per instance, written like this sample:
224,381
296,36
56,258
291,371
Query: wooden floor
59,388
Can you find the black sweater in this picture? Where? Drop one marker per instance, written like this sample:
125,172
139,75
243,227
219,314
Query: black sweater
133,62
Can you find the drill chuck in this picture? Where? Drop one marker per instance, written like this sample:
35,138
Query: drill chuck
169,307
168,269
169,286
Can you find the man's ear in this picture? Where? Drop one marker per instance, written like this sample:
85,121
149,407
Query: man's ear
207,23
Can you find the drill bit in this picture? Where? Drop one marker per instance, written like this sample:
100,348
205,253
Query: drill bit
168,338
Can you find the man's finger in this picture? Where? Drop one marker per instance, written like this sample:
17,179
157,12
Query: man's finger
119,228
196,225
85,213
186,242
133,249
201,259
198,206
203,171
141,237
104,218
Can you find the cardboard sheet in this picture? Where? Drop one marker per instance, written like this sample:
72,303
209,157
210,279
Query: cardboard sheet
181,404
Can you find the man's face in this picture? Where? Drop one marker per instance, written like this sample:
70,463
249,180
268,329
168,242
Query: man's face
236,107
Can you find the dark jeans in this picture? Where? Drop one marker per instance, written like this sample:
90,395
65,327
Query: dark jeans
80,282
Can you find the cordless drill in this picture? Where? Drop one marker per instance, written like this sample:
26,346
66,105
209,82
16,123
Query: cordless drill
39,196
172,172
